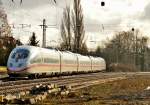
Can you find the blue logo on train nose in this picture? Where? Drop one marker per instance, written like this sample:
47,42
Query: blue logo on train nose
16,60
10,64
20,65
13,68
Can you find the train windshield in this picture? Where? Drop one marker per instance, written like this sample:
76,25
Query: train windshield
20,54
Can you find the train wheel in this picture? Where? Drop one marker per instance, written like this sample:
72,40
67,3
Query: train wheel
32,76
43,75
36,76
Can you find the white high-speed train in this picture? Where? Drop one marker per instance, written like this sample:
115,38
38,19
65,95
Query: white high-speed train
32,62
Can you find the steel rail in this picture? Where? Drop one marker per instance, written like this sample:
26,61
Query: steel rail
77,80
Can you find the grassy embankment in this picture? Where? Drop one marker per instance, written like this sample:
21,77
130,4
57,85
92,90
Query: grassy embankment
123,92
3,72
3,69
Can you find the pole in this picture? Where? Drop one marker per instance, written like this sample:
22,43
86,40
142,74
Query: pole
135,54
136,50
44,26
44,33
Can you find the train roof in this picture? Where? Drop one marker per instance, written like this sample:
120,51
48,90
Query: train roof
34,48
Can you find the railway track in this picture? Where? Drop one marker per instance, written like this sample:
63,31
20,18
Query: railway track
76,81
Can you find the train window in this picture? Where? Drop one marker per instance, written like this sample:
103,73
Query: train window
20,54
69,61
85,62
36,60
50,60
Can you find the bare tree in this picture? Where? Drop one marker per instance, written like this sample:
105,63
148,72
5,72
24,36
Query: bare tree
18,42
142,51
84,49
66,30
127,48
78,26
20,1
33,41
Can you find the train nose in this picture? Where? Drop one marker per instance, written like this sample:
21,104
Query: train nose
10,65
16,65
16,60
20,65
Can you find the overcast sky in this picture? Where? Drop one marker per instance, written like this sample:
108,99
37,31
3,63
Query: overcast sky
100,22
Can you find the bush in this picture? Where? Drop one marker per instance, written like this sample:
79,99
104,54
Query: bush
118,67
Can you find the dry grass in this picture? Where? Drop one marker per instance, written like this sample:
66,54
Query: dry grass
3,72
3,69
117,67
122,92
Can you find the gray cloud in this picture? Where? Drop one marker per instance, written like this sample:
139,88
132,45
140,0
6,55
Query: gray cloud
93,25
33,11
27,4
146,13
0,2
31,4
